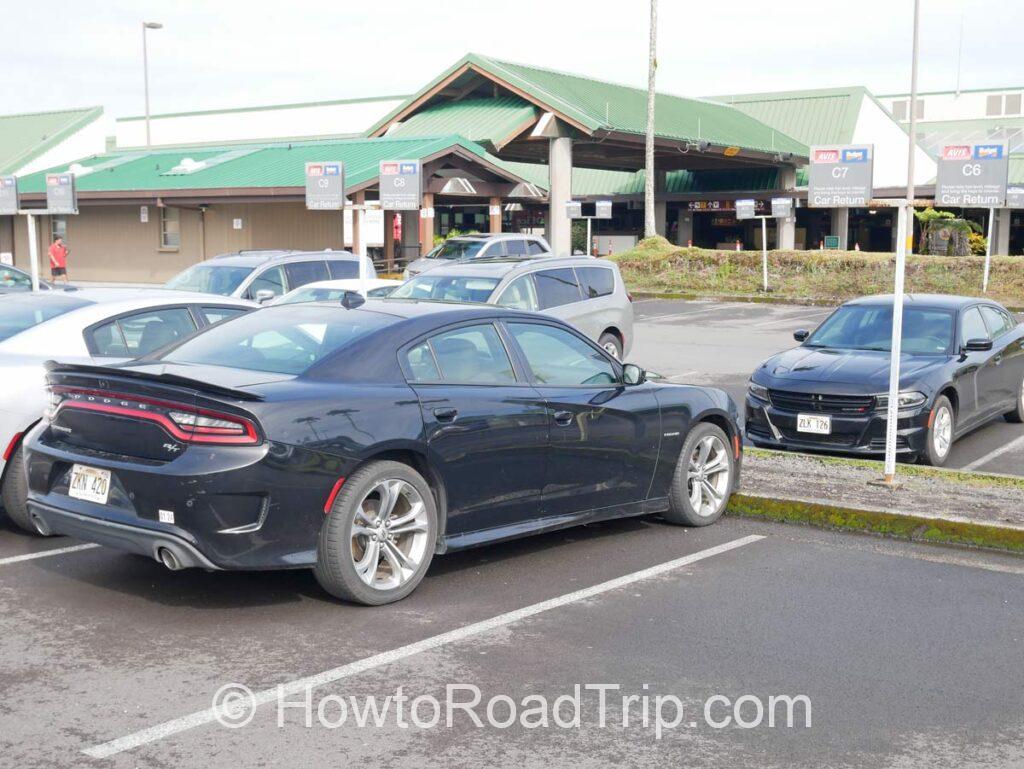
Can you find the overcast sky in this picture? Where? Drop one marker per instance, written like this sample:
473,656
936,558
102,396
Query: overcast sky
220,53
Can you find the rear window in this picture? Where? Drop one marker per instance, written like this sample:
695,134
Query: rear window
596,281
556,287
21,312
343,269
282,340
447,288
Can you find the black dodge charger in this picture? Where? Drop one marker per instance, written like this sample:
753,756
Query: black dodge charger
360,441
962,365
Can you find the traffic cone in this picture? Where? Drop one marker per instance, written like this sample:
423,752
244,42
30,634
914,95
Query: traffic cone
739,246
856,246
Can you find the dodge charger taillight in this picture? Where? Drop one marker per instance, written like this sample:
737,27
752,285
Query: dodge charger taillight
183,422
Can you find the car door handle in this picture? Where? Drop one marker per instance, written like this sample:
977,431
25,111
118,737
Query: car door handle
446,415
563,418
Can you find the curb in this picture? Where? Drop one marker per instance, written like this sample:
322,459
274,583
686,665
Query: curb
761,299
909,527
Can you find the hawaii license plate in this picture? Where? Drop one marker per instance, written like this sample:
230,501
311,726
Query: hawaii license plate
814,423
90,484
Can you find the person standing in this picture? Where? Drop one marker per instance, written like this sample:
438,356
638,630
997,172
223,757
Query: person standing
59,260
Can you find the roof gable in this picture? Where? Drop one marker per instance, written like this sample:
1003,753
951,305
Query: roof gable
820,116
25,137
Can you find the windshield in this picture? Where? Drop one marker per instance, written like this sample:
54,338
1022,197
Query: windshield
303,295
457,249
19,313
282,340
210,279
869,327
447,288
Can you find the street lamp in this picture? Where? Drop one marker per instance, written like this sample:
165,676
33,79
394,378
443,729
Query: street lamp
145,66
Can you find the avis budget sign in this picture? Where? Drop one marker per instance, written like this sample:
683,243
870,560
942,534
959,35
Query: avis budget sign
840,176
972,175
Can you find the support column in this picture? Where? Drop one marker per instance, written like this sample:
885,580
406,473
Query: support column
427,223
410,249
684,227
357,224
1001,245
785,229
660,204
389,240
841,226
559,229
495,215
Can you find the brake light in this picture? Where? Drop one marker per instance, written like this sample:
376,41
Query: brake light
187,424
12,446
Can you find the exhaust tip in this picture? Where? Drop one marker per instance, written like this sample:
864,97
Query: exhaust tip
41,526
168,559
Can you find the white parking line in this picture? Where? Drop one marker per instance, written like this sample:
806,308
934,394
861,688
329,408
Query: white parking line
208,716
45,554
993,454
681,315
684,375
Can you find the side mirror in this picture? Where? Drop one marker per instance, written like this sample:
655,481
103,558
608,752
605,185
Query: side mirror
977,345
264,295
632,374
801,334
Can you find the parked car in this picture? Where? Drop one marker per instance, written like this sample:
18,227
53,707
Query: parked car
962,365
90,325
333,290
581,290
360,442
497,246
263,275
13,280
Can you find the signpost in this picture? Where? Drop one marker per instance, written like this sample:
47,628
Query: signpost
974,175
747,209
401,185
841,176
8,196
600,209
782,208
325,186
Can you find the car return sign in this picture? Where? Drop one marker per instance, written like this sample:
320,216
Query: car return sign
8,195
401,185
840,176
60,194
972,175
325,186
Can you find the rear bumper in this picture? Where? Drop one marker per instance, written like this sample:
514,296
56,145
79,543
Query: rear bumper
130,539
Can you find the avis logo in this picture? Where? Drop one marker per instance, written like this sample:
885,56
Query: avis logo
988,151
315,170
956,152
826,156
389,169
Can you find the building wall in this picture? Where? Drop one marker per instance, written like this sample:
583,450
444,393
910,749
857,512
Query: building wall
875,126
966,105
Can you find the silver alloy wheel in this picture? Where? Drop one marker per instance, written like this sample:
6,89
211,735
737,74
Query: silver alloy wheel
707,480
389,534
612,349
942,431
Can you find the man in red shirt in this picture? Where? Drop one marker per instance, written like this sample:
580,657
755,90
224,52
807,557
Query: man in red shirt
59,259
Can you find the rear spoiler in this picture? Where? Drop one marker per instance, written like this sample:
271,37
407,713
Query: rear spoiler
171,379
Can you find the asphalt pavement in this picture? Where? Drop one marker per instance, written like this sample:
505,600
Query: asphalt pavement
721,343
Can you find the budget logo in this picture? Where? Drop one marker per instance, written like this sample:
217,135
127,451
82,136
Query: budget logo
315,170
408,168
855,156
389,169
956,152
826,156
65,179
988,151
332,169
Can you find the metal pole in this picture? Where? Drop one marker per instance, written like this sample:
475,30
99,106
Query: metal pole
145,77
590,248
650,229
988,248
764,251
33,249
904,245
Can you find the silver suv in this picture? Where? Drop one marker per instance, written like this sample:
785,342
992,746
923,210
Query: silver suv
498,246
265,275
581,290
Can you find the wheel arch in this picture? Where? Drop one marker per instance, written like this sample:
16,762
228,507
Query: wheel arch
951,393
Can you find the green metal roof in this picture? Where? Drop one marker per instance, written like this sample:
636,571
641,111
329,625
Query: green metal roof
820,116
264,165
489,121
597,105
263,108
25,137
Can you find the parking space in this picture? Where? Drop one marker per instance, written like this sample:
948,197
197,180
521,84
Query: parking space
721,343
111,654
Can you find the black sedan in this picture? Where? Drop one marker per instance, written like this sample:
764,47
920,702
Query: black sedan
360,441
962,365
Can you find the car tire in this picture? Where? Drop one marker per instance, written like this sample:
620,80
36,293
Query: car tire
15,492
697,497
611,344
356,539
1016,415
941,428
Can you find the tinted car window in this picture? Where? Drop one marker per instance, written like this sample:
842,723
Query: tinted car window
535,248
457,249
998,322
556,287
493,250
343,269
446,288
869,327
516,248
217,314
14,279
285,340
596,281
271,279
210,279
972,326
142,333
422,365
470,355
519,294
301,273
558,357
21,312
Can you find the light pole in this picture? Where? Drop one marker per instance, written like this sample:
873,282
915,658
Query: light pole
145,67
652,65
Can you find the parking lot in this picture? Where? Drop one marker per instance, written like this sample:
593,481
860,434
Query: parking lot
721,343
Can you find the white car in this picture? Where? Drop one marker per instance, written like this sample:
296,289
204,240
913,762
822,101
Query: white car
468,247
85,326
332,290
